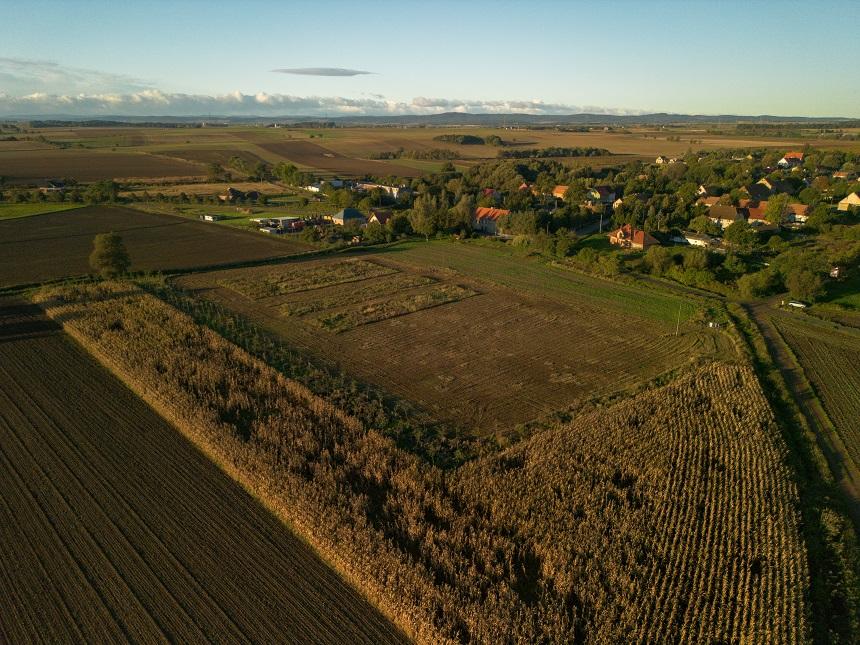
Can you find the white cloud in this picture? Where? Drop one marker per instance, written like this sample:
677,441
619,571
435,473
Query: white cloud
321,71
153,102
22,76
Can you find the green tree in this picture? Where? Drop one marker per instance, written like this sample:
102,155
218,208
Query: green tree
804,285
109,257
777,208
740,235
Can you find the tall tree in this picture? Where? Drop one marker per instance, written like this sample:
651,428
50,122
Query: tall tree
109,257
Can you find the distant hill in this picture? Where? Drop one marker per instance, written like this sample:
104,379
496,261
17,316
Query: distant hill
443,119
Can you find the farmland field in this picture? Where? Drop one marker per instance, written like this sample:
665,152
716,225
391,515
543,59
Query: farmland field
830,358
113,527
472,335
56,245
14,211
670,516
166,155
35,166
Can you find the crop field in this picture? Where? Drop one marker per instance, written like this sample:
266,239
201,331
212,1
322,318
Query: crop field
670,516
305,153
15,211
830,357
57,245
113,527
473,336
168,154
35,166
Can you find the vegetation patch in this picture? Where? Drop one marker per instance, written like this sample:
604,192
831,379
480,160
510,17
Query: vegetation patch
343,319
305,277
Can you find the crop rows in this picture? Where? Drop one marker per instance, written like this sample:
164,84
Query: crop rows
668,517
831,361
114,528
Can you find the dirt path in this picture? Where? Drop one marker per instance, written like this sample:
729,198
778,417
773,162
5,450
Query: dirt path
844,473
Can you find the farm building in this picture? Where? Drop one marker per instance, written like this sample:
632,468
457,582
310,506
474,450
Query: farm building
694,239
725,216
559,191
852,201
53,186
348,216
486,219
280,224
211,218
790,160
628,237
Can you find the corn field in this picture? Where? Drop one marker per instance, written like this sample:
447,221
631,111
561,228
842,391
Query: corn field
668,517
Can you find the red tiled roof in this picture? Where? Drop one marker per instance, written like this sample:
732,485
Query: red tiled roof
485,212
708,201
559,191
798,209
793,155
756,210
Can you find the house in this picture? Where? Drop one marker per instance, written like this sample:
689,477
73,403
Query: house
837,272
797,213
53,186
348,216
486,219
708,191
694,239
845,175
559,192
601,194
379,216
394,191
277,225
707,202
790,160
628,237
852,201
313,188
211,218
661,160
757,192
755,211
725,216
526,187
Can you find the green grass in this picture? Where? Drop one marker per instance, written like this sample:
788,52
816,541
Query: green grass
499,264
845,293
14,211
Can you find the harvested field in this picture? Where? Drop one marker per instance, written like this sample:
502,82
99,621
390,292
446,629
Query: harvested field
312,155
34,166
113,527
56,245
212,188
670,516
15,211
528,340
211,155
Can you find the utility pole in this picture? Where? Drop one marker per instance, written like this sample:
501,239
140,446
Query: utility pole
678,324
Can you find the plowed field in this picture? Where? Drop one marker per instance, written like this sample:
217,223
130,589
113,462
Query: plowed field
114,528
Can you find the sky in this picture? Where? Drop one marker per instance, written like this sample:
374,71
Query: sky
332,58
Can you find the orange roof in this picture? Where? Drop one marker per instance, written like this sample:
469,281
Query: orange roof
793,155
637,236
559,191
798,209
485,212
756,210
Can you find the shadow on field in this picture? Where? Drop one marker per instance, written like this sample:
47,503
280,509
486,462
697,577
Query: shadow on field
21,320
89,234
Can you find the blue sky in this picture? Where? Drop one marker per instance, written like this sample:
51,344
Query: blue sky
155,57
